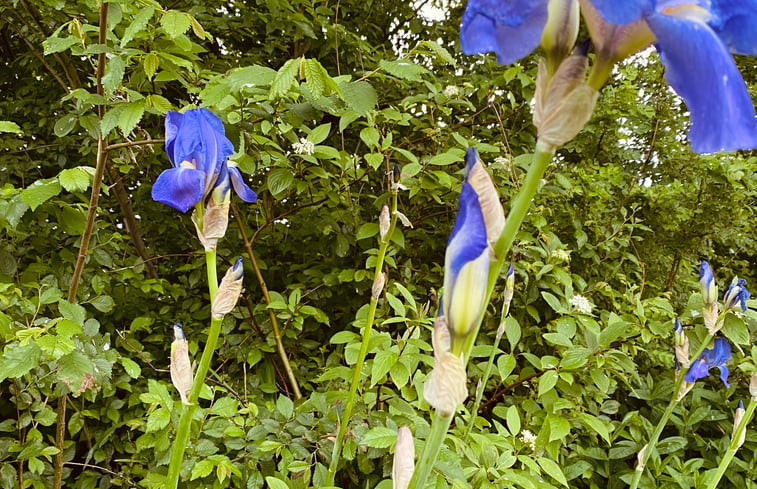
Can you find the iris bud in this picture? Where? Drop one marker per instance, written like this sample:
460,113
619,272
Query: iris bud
228,291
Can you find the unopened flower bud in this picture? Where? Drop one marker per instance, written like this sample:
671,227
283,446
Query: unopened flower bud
215,220
681,346
181,368
753,386
228,291
378,285
738,415
445,388
561,30
707,284
640,458
384,222
710,316
404,459
563,103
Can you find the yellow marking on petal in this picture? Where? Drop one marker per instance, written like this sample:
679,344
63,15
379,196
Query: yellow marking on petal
689,11
188,164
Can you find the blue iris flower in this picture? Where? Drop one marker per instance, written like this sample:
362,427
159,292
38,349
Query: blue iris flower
693,39
198,148
736,295
716,356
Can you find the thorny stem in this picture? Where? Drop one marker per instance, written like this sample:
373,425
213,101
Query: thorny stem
60,431
518,210
367,330
271,313
733,447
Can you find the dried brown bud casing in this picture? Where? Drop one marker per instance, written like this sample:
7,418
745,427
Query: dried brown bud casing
228,291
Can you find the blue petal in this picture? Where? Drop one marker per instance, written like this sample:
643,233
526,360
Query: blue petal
622,11
736,24
471,157
242,190
724,375
181,188
468,238
699,67
705,274
511,29
698,370
201,132
721,352
173,122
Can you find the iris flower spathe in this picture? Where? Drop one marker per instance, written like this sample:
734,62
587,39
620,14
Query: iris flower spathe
716,356
198,148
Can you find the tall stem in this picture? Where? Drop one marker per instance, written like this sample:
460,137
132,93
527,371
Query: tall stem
185,422
367,330
734,446
271,313
60,431
518,210
674,400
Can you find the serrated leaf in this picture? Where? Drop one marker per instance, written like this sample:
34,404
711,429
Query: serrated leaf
114,74
140,22
202,469
197,28
53,45
150,64
158,419
441,52
406,70
360,96
175,23
110,120
74,312
159,103
382,363
379,437
284,78
17,360
8,126
40,191
226,407
315,77
278,180
76,179
73,369
130,116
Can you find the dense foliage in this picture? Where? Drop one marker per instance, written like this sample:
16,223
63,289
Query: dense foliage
327,103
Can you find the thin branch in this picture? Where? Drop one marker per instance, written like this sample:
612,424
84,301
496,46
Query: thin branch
41,59
128,144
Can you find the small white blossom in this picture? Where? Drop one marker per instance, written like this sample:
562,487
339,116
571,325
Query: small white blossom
451,91
561,255
502,161
303,147
528,439
581,304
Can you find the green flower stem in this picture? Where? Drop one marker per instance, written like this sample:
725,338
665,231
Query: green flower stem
665,416
488,371
518,210
733,446
356,373
187,413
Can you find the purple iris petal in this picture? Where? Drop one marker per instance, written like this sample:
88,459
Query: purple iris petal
698,370
622,11
512,29
181,188
699,67
724,375
468,238
736,24
240,187
716,356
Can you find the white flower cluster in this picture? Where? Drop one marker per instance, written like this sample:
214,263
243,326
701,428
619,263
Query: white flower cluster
581,304
528,439
502,161
303,147
561,255
451,91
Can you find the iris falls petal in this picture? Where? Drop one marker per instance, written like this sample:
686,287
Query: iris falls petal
703,73
181,188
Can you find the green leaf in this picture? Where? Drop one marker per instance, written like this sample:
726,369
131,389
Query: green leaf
553,302
150,64
39,192
559,427
284,406
17,360
512,331
278,180
406,70
315,77
614,330
367,230
274,483
547,381
74,312
735,329
158,419
284,78
202,469
131,367
73,368
130,116
54,45
513,420
76,179
370,137
554,470
65,124
379,437
250,76
320,133
382,363
8,126
103,303
114,74
139,23
360,96
441,52
226,407
597,425
175,23
454,155
159,103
